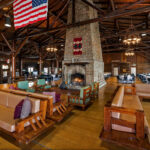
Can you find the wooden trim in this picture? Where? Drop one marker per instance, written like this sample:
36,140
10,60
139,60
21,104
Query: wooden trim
140,124
43,108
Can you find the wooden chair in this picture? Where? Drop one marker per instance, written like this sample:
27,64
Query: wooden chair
83,100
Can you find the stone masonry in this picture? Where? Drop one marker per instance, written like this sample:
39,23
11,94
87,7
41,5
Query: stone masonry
92,51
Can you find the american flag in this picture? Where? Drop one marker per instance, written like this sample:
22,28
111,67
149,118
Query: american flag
29,11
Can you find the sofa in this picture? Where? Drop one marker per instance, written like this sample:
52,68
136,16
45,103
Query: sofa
126,115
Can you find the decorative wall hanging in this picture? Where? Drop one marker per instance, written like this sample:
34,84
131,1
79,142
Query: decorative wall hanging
77,46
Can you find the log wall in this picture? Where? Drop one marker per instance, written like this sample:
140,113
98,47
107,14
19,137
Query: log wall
140,60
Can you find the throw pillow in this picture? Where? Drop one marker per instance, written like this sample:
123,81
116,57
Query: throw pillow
26,108
51,94
57,97
12,87
18,108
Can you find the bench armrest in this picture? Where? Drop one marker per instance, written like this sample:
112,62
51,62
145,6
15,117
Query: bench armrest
20,126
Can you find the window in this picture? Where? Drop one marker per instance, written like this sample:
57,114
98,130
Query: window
30,69
45,70
4,67
4,73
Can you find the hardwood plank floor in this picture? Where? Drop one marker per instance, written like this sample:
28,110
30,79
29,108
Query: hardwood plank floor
80,130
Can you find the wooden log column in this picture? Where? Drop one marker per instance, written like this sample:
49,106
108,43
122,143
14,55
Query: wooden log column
40,65
13,66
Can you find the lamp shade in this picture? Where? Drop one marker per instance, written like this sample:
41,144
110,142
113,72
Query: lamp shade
7,21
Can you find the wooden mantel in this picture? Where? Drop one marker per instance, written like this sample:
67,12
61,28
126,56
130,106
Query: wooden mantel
76,63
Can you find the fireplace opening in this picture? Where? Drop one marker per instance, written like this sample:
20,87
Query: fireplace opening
78,79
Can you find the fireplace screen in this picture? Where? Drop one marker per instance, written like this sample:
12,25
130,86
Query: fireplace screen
78,79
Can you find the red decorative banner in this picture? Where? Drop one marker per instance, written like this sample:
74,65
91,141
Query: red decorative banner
77,46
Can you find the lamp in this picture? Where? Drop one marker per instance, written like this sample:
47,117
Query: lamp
130,52
131,37
7,21
51,47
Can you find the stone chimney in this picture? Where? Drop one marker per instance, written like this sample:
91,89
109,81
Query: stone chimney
90,62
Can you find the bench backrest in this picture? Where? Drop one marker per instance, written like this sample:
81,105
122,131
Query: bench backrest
118,100
11,100
142,88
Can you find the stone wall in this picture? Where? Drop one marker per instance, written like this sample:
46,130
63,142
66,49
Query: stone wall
92,52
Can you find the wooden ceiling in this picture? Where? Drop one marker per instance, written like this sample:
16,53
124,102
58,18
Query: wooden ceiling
114,17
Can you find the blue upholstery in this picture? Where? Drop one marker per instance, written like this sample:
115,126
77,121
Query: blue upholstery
24,85
42,83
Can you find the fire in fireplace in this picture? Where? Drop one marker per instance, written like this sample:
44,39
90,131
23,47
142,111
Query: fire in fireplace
78,79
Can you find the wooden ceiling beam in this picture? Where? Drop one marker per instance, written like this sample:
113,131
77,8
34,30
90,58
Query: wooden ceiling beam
21,46
8,44
106,17
5,3
93,6
60,13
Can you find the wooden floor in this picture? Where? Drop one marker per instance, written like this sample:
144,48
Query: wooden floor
79,131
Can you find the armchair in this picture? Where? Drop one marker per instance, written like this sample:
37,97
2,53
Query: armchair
83,99
24,85
41,85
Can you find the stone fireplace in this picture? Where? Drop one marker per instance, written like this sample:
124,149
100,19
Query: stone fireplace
81,70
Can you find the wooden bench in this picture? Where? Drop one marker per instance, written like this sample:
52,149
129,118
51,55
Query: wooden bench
23,130
124,121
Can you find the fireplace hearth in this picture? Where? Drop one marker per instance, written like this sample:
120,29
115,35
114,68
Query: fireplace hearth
77,79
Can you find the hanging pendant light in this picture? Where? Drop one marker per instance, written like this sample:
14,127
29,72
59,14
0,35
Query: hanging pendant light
130,52
131,37
7,21
52,48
